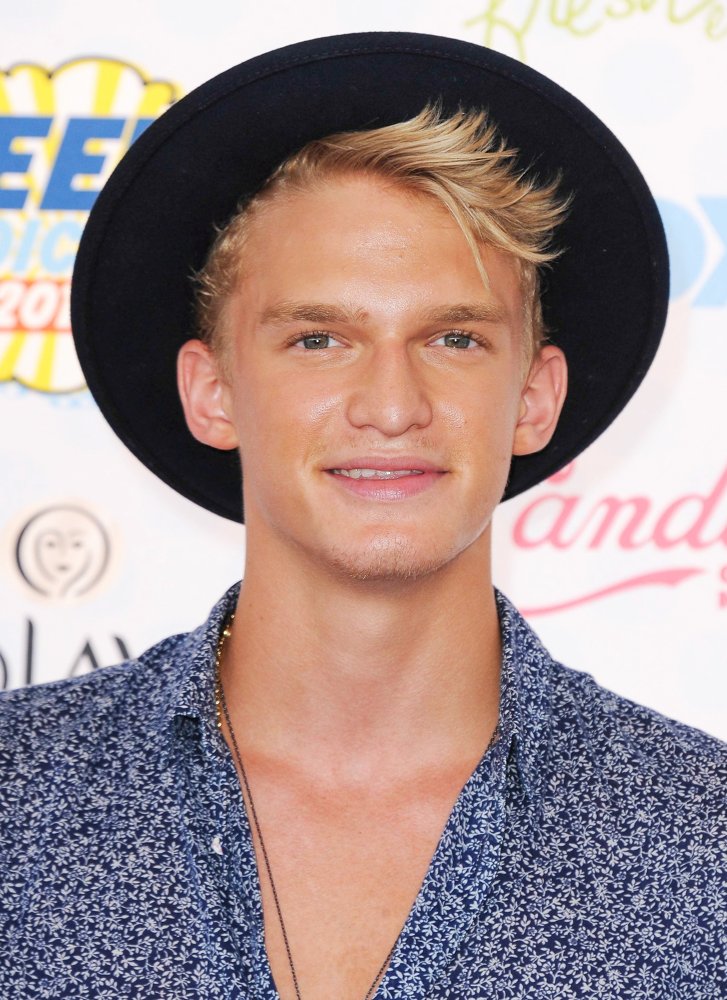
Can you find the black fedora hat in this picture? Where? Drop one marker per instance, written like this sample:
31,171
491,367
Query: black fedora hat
604,299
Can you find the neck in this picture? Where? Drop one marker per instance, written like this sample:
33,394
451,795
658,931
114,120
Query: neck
405,676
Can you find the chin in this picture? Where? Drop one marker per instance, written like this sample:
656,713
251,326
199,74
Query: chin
389,560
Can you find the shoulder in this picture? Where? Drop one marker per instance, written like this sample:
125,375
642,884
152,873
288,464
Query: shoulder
646,760
594,731
640,802
642,731
46,726
79,694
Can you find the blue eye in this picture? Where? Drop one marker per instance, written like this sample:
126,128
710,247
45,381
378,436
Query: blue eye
459,340
316,341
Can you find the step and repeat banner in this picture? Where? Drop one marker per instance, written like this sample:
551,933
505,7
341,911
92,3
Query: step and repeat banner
619,561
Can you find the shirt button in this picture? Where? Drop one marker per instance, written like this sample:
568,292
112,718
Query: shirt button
217,844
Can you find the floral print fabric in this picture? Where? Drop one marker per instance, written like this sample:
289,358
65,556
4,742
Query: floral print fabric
585,856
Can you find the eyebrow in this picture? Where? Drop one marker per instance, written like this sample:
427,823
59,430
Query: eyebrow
465,312
321,312
311,312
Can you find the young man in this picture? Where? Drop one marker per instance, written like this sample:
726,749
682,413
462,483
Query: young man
363,775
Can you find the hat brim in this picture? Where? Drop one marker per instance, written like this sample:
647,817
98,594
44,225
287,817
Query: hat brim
604,299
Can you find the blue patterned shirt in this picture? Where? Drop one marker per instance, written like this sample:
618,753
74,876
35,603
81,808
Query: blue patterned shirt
585,856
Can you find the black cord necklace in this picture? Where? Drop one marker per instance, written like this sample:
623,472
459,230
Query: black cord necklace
223,712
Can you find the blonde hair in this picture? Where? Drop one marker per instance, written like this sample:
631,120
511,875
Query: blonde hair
459,160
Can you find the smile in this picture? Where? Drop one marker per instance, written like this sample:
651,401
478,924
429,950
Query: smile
376,473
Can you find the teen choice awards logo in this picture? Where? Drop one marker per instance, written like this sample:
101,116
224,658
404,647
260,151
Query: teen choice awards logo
62,131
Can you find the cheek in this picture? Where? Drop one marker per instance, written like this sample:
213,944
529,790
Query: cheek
455,414
483,416
482,432
285,418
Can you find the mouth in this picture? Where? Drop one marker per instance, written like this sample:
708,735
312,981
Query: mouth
377,473
386,479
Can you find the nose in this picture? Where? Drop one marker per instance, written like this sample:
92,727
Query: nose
389,393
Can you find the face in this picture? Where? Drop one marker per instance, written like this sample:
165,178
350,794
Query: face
373,384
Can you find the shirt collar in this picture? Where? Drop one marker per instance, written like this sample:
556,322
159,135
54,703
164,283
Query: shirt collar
525,714
191,693
525,696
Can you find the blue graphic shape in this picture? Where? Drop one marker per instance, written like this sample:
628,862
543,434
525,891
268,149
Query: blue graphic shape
142,125
714,291
73,161
53,259
687,246
25,247
17,127
6,239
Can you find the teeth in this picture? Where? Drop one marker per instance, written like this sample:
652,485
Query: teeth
377,473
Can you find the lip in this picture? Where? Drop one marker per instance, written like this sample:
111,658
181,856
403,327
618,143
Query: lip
387,463
388,490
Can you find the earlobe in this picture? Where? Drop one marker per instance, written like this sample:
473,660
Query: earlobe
205,396
541,401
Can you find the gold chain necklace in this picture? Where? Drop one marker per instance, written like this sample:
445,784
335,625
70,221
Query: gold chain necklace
223,712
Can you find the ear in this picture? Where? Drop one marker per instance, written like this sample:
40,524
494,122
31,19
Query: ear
541,401
205,396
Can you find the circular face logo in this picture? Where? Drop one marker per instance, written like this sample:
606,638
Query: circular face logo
62,552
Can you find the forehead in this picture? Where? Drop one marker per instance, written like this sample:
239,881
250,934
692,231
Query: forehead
352,206
359,235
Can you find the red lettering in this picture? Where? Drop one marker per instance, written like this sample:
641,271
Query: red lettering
527,538
612,507
693,535
33,306
553,534
553,520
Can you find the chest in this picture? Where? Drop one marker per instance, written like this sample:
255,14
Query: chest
625,919
347,869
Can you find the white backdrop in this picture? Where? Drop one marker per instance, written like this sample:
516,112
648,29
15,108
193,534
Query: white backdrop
620,562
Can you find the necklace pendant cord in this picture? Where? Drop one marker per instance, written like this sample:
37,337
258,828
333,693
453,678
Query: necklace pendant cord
222,712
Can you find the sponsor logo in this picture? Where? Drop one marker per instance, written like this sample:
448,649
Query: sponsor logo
82,657
696,271
63,555
62,552
686,532
507,24
62,131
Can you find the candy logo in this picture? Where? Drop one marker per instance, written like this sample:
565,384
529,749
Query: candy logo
673,542
62,552
61,134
